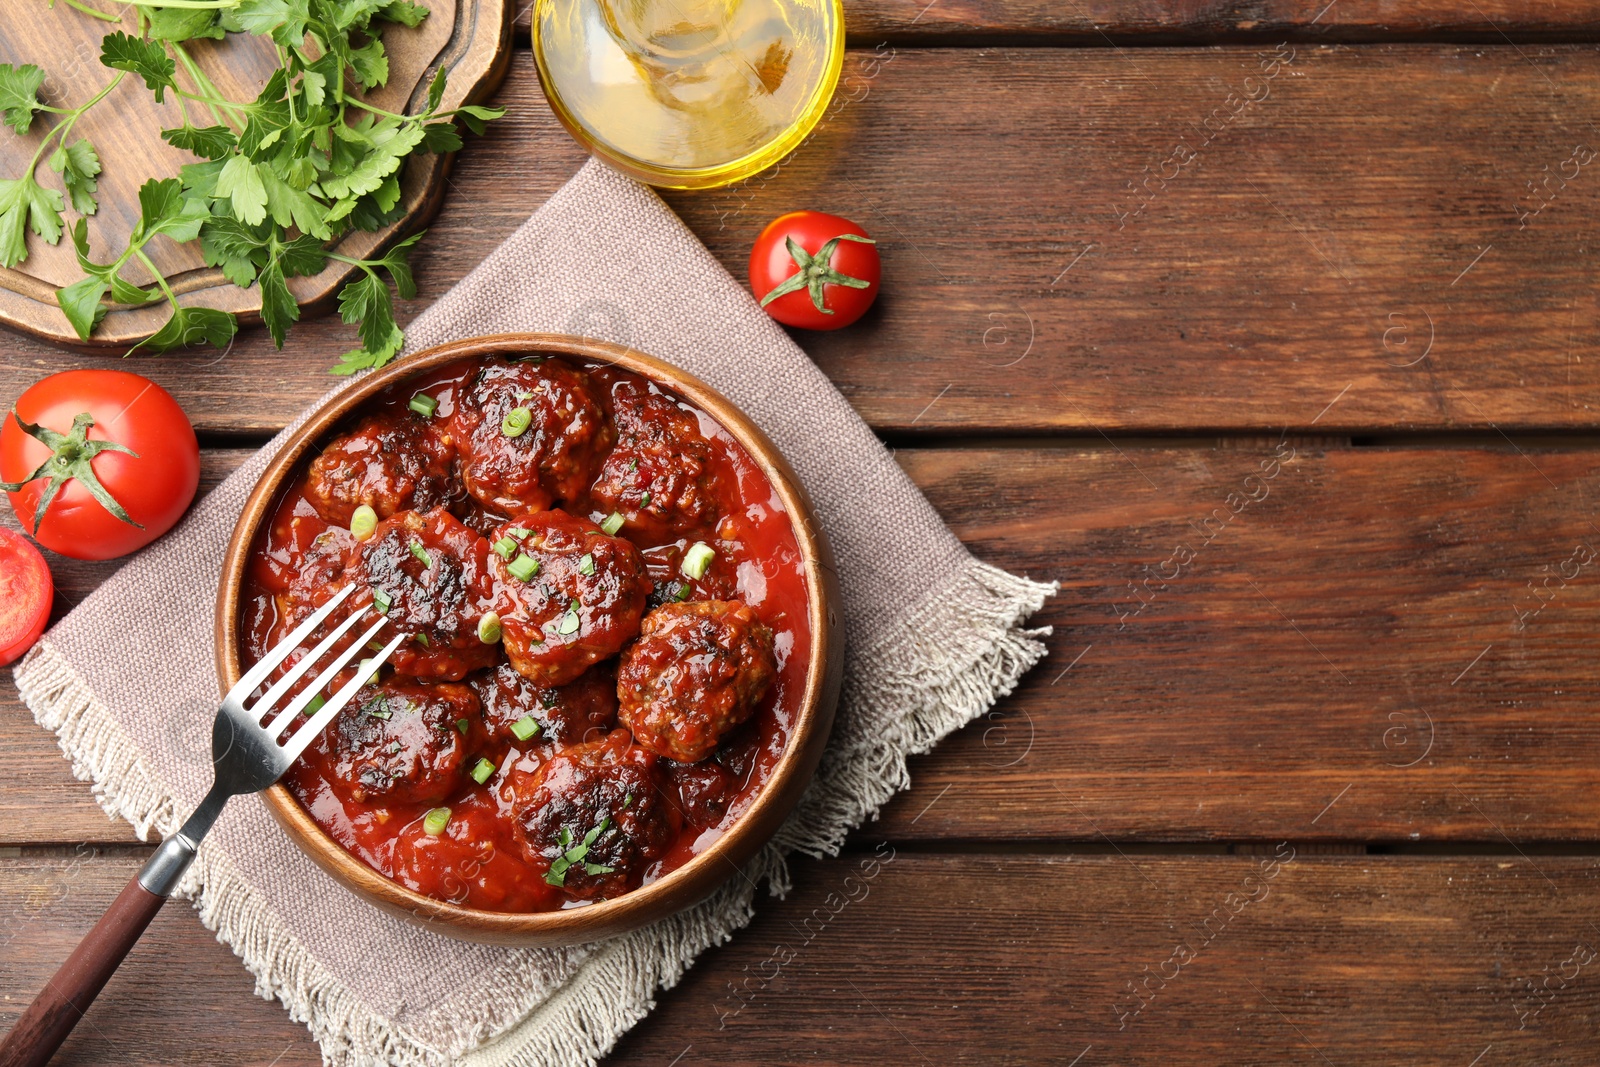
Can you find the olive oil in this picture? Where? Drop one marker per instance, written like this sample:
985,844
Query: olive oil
689,94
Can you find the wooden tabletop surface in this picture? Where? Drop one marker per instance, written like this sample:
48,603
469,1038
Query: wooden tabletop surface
1262,328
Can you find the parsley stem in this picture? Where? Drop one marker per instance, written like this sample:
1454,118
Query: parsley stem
172,298
92,12
364,106
64,127
212,98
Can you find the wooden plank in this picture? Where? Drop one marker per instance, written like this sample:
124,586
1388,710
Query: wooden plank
987,958
1349,641
1097,22
1367,210
1396,634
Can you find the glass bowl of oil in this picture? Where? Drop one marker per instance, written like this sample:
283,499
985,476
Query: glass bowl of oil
689,94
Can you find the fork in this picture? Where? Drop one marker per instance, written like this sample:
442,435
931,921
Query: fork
246,758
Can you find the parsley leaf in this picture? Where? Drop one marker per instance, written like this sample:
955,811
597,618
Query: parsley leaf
181,24
208,142
80,303
190,326
290,206
26,205
240,182
436,90
441,137
284,20
304,256
279,310
19,94
404,12
478,118
145,58
165,210
370,64
397,262
367,301
79,167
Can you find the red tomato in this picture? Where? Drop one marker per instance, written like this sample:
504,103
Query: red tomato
102,441
25,595
814,290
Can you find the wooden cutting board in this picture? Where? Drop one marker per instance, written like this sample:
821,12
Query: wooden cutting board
469,38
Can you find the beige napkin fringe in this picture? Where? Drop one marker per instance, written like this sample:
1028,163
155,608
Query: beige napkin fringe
936,688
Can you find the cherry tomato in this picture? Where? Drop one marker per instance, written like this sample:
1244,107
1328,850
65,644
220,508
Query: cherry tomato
816,271
98,463
25,595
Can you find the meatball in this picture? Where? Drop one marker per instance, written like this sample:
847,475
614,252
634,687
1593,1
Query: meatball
660,477
390,462
531,435
566,715
706,789
568,596
432,573
397,743
697,671
595,815
307,567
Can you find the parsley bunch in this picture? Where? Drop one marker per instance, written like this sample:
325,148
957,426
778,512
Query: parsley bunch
280,178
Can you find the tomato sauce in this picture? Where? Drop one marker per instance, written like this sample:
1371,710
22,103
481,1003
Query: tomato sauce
478,860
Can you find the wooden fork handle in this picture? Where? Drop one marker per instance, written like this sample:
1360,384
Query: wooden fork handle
64,999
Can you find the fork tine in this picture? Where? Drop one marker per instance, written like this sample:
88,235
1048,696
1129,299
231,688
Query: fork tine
282,720
280,651
270,699
308,733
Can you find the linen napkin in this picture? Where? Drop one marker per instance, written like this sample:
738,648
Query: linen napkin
933,636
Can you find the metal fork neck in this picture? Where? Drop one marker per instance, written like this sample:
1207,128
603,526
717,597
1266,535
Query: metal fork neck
162,872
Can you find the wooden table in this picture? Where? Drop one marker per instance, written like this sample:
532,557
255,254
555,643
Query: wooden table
1262,328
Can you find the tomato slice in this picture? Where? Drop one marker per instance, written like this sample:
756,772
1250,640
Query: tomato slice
26,593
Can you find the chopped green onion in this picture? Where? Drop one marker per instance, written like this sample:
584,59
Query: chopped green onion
524,395
422,639
516,422
424,405
612,524
505,547
435,821
380,713
363,520
462,725
644,501
682,592
525,728
697,560
523,568
374,646
518,531
597,868
316,705
633,464
363,667
489,628
482,771
586,564
382,601
421,553
569,622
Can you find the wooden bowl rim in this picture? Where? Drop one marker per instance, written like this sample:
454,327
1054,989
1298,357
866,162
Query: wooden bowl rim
697,878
